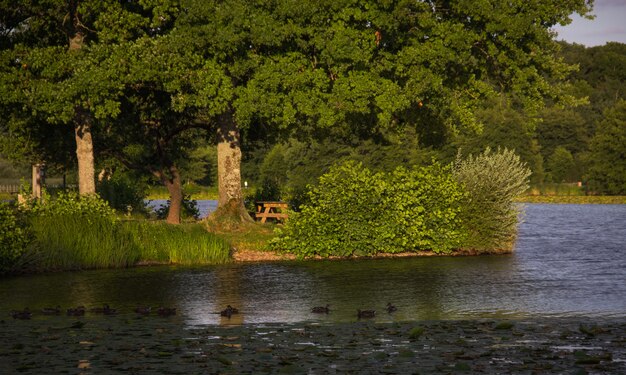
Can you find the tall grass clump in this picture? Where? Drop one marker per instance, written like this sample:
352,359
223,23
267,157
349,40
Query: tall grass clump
492,180
76,232
354,212
180,244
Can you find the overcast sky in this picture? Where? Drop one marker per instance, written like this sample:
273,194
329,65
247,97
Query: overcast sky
608,26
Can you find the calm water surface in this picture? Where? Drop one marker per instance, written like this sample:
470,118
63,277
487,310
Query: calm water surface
570,260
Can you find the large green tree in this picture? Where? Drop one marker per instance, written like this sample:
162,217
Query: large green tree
331,68
607,172
51,69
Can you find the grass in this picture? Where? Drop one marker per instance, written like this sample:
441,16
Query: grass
197,192
253,236
572,199
66,242
181,244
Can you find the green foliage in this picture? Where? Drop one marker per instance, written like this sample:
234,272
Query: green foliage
189,209
13,238
123,193
74,232
607,173
354,212
492,181
561,166
180,244
87,208
67,241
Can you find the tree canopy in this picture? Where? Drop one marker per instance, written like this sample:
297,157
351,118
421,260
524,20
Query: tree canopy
310,69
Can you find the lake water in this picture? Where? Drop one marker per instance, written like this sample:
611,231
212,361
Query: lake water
570,260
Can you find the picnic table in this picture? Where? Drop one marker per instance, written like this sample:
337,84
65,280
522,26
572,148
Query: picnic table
270,209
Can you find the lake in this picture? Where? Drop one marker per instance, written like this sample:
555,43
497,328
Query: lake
569,261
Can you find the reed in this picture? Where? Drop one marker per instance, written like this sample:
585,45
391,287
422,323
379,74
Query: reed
69,242
181,244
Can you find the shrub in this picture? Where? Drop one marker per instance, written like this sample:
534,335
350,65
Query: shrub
492,180
356,212
421,210
13,238
123,193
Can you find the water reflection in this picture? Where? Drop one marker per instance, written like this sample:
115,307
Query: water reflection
556,271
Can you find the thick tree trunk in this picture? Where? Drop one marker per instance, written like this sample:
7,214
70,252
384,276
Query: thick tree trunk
175,188
84,154
84,142
230,199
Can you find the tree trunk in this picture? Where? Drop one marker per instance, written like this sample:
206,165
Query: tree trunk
84,154
175,189
230,199
84,142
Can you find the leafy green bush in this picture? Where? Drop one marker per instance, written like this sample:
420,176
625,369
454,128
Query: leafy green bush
356,212
13,238
421,210
123,193
492,180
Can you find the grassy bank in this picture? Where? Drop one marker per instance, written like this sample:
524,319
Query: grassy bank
69,243
572,199
197,192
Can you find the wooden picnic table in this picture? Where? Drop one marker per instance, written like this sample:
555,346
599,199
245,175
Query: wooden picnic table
270,209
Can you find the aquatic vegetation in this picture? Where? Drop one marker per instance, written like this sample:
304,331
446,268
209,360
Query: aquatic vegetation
180,244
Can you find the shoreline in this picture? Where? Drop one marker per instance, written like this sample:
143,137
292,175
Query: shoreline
243,255
148,344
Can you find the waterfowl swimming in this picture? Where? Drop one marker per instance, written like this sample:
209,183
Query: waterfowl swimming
228,311
391,308
321,309
143,310
166,311
21,314
365,314
106,310
51,310
78,311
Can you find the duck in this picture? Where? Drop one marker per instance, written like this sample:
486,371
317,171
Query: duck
321,309
228,311
51,310
166,311
365,314
143,310
106,310
21,314
78,311
391,308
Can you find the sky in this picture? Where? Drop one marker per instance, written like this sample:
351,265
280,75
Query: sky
608,26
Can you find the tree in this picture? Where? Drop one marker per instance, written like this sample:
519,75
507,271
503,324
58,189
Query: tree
332,68
607,173
561,165
52,64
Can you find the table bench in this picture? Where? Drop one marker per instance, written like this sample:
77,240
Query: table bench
274,210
